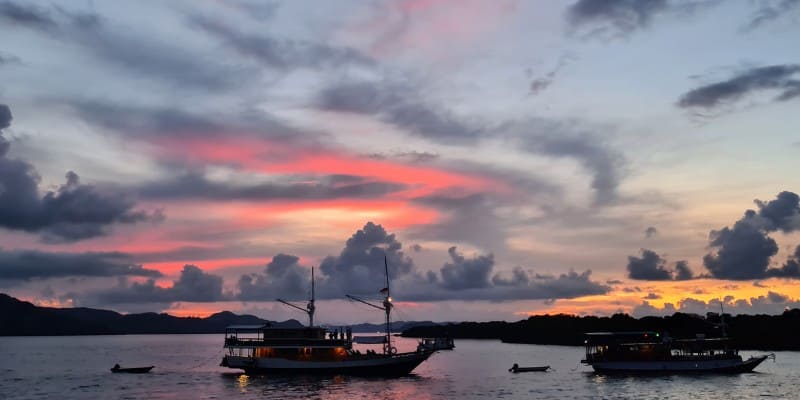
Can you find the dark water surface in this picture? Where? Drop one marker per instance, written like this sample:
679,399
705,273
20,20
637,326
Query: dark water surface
187,368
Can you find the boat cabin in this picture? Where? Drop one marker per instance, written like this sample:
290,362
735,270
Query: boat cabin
651,346
265,341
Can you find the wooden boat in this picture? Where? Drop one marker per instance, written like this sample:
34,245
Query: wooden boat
652,353
136,370
516,369
260,349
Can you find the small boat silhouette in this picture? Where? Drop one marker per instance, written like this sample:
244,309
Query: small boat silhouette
516,368
136,370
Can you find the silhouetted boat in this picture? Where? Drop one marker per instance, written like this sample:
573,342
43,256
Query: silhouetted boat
650,352
516,368
313,350
137,370
437,343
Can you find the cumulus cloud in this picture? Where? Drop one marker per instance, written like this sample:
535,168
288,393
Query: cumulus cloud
283,277
73,212
769,303
466,273
651,231
359,270
23,265
779,79
652,267
744,251
193,285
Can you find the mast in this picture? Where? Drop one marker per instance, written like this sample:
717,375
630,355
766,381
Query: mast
387,305
309,307
722,319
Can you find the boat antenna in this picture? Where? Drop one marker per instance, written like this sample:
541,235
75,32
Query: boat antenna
309,309
722,319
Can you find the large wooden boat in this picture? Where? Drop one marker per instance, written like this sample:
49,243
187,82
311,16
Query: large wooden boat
651,352
259,349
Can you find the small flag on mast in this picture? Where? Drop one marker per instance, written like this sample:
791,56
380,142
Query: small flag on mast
385,290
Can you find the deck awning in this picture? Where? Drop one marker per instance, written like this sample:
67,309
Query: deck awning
246,327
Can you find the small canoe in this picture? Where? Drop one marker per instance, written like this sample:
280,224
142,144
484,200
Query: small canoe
136,370
516,369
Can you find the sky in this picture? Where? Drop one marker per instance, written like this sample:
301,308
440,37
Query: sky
506,158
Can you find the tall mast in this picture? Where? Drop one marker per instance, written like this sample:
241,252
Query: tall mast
722,319
387,305
309,307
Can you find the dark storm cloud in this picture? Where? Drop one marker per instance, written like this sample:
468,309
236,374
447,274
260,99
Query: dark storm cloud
615,17
150,59
33,264
196,186
283,277
778,78
744,251
281,54
193,285
466,273
399,105
72,212
649,267
651,231
791,269
652,267
783,213
771,10
682,271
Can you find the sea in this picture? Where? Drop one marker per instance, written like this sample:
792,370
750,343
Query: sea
187,367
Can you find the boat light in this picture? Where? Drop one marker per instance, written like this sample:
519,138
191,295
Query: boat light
389,299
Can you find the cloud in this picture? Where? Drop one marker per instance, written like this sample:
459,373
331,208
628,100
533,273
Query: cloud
466,273
744,251
359,267
359,270
283,277
650,232
400,105
466,218
652,296
682,271
651,267
770,303
195,185
769,11
559,139
193,285
23,265
72,212
775,78
6,59
614,17
281,54
791,269
149,59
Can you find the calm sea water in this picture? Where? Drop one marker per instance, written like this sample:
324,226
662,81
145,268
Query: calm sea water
187,368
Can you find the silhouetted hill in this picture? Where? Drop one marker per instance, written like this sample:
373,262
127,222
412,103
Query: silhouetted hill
765,332
396,326
20,318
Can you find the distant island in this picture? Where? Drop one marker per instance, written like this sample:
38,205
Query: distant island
21,318
758,332
762,332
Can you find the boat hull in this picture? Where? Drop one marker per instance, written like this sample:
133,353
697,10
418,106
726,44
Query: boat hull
138,370
729,366
394,365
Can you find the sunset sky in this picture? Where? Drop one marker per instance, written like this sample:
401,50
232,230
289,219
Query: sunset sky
508,157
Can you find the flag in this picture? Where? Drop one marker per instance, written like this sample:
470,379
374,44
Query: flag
385,290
